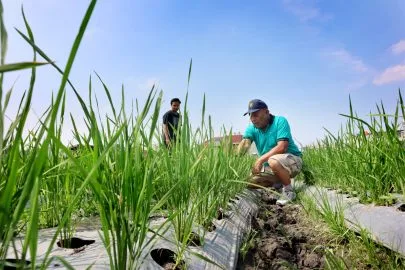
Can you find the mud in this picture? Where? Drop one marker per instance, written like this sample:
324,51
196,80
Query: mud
284,239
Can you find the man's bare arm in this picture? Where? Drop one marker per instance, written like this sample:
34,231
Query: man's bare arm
166,132
243,146
280,148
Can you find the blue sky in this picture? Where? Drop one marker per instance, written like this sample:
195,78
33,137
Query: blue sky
303,58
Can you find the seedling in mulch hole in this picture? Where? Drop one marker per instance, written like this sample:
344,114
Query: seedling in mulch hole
166,258
248,244
210,227
221,214
194,240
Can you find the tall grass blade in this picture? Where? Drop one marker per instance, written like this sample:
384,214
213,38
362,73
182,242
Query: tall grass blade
19,66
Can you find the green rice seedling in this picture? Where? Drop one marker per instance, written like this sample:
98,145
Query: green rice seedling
332,214
59,186
179,167
248,243
19,182
218,171
333,261
23,174
124,180
52,143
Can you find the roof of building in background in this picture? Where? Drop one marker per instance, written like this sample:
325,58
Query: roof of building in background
236,139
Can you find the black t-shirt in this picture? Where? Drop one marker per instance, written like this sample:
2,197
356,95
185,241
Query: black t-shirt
171,119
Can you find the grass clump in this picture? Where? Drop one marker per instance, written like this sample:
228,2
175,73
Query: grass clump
365,158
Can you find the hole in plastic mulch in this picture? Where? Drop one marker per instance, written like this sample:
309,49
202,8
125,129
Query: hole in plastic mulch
166,258
221,214
10,264
234,200
74,242
402,207
210,227
194,240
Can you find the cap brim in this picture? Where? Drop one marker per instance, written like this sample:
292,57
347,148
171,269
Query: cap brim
251,111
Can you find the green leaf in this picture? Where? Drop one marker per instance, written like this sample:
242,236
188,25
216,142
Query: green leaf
20,66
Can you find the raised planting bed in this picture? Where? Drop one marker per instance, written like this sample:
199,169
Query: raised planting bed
385,224
216,249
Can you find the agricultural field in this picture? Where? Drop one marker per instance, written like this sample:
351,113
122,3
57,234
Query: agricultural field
118,172
120,175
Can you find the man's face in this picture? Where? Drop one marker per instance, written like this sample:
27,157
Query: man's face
260,118
175,106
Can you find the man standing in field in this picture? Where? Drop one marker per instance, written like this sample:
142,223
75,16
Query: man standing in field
279,157
171,121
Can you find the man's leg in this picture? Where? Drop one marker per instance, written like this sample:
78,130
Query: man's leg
284,167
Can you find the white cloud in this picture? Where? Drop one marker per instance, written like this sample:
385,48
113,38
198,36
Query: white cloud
305,11
346,58
141,85
398,47
148,83
354,73
357,84
391,74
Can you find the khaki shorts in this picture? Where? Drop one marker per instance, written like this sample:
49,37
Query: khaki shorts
292,163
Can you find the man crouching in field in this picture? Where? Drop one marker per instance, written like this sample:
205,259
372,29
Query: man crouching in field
279,158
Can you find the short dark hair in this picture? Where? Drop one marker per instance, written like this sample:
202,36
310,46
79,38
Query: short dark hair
175,100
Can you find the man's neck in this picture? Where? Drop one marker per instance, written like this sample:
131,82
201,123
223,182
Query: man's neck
270,119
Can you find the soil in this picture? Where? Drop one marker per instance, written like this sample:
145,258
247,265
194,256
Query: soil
169,266
285,239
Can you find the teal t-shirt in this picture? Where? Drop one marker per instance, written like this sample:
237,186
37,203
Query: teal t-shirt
267,139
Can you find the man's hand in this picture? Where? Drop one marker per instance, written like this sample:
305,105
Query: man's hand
257,167
280,148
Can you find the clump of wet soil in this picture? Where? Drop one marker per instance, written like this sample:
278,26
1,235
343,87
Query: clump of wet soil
284,239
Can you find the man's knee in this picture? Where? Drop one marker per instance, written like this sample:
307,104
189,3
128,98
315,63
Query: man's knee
274,164
288,162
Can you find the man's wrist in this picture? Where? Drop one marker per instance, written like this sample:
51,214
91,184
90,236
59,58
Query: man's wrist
263,159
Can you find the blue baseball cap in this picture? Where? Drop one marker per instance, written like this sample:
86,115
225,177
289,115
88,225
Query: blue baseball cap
255,105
